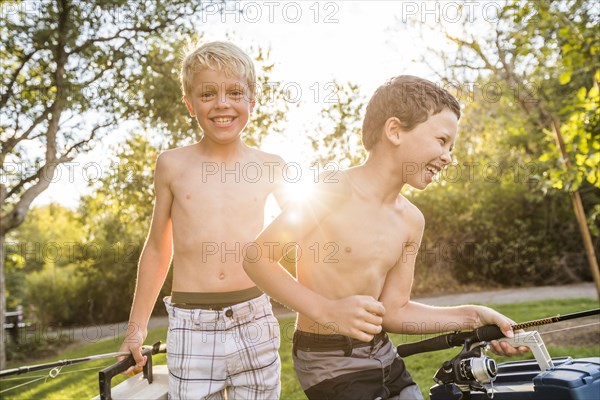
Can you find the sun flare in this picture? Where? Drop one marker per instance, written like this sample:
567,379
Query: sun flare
299,191
295,193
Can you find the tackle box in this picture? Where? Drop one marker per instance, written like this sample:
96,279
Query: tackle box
569,379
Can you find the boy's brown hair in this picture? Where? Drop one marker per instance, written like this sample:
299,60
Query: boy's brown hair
410,99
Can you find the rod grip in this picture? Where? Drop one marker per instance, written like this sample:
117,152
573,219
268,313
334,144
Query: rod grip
482,334
105,376
487,333
424,346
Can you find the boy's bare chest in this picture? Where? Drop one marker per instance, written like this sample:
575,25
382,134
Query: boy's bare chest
214,185
363,236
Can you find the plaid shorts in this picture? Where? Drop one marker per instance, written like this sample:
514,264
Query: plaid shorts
225,354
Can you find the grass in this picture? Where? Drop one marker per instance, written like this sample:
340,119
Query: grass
70,384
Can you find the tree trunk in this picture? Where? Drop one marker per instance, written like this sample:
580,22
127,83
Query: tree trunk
3,337
587,239
588,244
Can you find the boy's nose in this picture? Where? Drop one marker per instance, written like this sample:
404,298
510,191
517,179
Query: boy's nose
446,157
222,101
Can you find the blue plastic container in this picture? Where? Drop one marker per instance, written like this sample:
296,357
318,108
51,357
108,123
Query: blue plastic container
578,380
569,379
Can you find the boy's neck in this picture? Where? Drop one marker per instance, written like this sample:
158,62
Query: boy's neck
379,180
222,151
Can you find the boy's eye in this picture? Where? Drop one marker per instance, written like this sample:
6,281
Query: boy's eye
236,93
207,95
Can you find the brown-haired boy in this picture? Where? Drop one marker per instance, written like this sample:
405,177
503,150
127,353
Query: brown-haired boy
371,234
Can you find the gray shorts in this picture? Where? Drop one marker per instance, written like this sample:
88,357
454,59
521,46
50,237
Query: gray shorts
338,367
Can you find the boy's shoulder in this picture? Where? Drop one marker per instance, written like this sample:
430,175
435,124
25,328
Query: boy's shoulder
263,156
177,152
331,190
334,182
414,217
171,158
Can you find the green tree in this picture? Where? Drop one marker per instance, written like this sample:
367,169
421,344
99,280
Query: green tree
338,137
488,220
79,267
49,239
117,216
541,54
67,70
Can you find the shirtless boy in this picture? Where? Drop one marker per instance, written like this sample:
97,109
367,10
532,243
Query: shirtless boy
367,234
210,196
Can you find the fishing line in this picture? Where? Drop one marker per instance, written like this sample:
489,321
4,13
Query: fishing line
61,363
569,328
45,377
20,378
23,384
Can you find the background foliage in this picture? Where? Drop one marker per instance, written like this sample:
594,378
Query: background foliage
500,216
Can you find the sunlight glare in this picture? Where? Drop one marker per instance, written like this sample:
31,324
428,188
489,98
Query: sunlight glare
297,193
300,191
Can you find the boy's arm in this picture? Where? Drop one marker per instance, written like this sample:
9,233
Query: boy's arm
153,266
406,316
280,192
356,316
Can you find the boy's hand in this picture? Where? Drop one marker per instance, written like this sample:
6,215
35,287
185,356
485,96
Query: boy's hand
133,344
488,316
359,317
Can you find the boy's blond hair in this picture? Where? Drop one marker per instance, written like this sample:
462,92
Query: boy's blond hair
218,56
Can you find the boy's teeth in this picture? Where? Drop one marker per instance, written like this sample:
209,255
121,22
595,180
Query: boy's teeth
223,120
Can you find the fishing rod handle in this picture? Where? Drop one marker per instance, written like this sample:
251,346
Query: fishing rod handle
105,376
488,333
484,333
423,346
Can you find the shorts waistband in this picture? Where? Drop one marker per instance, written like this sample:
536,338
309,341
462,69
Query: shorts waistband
307,341
213,300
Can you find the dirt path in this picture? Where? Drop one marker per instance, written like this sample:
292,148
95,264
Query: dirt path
504,296
582,290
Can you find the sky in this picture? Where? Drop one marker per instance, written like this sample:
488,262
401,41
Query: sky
312,43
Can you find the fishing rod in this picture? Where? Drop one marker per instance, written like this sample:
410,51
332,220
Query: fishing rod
156,348
471,370
485,333
60,363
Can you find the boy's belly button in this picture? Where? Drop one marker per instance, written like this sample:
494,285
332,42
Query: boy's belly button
222,276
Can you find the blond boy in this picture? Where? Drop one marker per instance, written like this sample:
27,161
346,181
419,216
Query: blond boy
210,196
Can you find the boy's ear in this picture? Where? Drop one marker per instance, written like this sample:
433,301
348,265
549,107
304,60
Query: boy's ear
189,107
392,129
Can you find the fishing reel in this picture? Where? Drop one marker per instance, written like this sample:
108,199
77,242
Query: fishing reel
469,370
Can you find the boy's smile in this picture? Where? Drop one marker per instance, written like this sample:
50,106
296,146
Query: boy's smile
221,104
430,171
